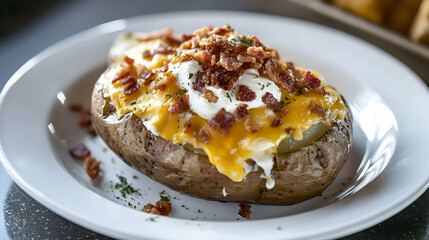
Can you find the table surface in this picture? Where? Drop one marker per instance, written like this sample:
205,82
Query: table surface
28,27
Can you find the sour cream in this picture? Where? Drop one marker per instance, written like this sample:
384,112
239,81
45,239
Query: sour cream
186,75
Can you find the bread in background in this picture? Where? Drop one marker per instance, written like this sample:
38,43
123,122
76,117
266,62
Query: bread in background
401,15
420,28
372,10
408,17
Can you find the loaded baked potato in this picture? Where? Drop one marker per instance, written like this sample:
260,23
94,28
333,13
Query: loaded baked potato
218,115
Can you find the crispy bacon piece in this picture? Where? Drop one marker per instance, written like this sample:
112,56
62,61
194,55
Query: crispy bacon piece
203,135
244,210
295,73
146,74
230,63
242,110
289,130
222,121
210,96
163,48
164,207
257,52
85,121
180,104
165,34
130,85
246,59
92,167
277,122
80,151
166,80
274,71
257,42
311,82
161,208
317,109
85,118
245,94
128,60
273,104
122,74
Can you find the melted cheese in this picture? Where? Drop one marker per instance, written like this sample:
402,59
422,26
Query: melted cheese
231,153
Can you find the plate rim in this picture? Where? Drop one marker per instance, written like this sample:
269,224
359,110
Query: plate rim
95,31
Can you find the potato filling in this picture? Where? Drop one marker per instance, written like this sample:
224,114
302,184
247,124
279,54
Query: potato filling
226,94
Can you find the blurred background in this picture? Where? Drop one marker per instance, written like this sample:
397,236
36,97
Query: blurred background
29,26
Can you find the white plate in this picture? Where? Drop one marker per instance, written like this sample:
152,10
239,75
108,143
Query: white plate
389,103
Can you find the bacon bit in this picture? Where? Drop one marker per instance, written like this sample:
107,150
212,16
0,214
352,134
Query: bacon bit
79,151
163,48
85,121
244,210
186,37
164,68
246,59
274,71
149,208
85,118
317,109
166,80
122,74
128,60
274,105
76,107
252,126
289,130
245,94
225,79
180,104
295,73
277,122
207,57
187,126
130,85
311,82
222,121
229,62
161,208
92,167
257,52
165,34
242,110
145,74
257,42
203,135
210,96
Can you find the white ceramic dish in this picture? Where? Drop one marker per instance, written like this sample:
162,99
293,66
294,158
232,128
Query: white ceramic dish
390,132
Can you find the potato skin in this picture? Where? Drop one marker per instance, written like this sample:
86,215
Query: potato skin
299,175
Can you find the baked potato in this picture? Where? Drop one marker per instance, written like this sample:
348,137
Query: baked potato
154,125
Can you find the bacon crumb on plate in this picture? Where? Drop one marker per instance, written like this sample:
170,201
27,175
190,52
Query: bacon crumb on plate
244,210
92,167
80,151
161,208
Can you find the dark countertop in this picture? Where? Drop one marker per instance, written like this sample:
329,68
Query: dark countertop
28,27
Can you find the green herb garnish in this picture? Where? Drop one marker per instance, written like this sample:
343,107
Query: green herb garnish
124,187
133,102
246,41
